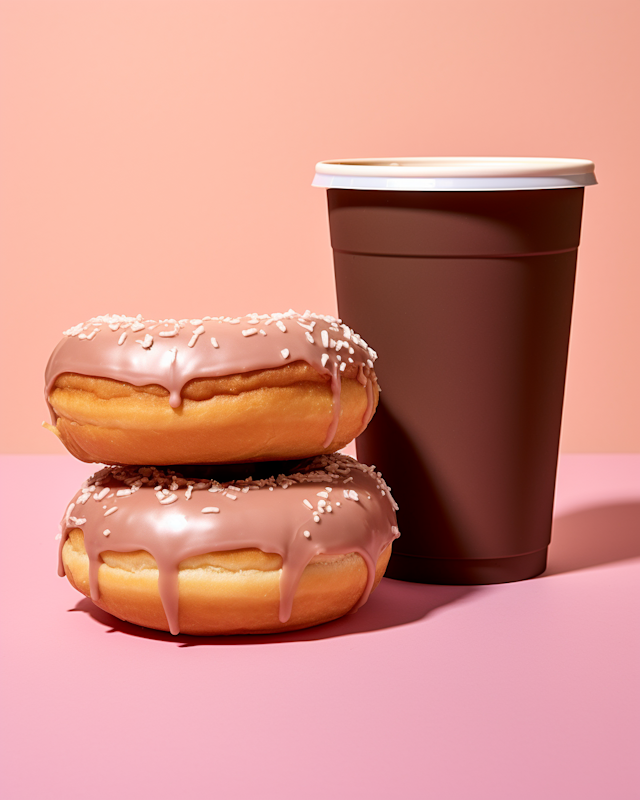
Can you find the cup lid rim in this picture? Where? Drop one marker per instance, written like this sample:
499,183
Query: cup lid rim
456,167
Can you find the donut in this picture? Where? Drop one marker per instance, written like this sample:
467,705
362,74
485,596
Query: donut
197,553
264,387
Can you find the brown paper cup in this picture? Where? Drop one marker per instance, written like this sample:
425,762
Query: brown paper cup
464,286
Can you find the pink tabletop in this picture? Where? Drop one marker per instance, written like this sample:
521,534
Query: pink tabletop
525,690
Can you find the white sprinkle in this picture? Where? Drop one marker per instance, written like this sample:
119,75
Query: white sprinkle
123,492
230,496
57,537
249,331
146,342
168,334
328,509
106,532
264,333
83,498
370,363
122,338
316,518
325,338
195,321
306,534
338,504
210,510
196,333
167,499
324,359
309,337
343,366
280,324
308,327
77,520
75,330
351,495
322,494
111,511
214,342
284,353
102,493
113,326
173,353
307,504
137,326
321,504
188,492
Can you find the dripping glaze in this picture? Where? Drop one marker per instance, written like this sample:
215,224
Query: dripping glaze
331,505
170,352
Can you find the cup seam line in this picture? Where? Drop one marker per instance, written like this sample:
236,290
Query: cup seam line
484,257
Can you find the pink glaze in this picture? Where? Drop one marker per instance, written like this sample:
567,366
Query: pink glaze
170,353
164,516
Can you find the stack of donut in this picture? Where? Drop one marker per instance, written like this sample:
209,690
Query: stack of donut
225,508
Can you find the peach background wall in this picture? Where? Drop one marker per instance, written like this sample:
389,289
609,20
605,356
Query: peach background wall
157,158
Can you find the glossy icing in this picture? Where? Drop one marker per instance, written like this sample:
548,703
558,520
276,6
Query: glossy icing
170,353
329,504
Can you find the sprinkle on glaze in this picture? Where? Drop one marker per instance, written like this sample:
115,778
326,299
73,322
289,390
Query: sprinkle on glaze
190,526
181,350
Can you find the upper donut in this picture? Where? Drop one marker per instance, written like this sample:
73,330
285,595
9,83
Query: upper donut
125,390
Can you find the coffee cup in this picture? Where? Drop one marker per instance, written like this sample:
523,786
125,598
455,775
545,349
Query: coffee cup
460,273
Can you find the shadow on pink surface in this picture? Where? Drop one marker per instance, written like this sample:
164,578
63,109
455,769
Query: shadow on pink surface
590,537
593,537
393,603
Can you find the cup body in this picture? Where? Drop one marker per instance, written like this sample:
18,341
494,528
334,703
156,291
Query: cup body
467,298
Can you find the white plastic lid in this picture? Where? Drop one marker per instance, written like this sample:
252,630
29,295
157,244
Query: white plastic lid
455,174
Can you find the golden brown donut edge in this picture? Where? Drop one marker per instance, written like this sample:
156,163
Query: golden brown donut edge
225,593
271,414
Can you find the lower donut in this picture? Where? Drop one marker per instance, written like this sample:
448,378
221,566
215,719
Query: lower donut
188,552
222,593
